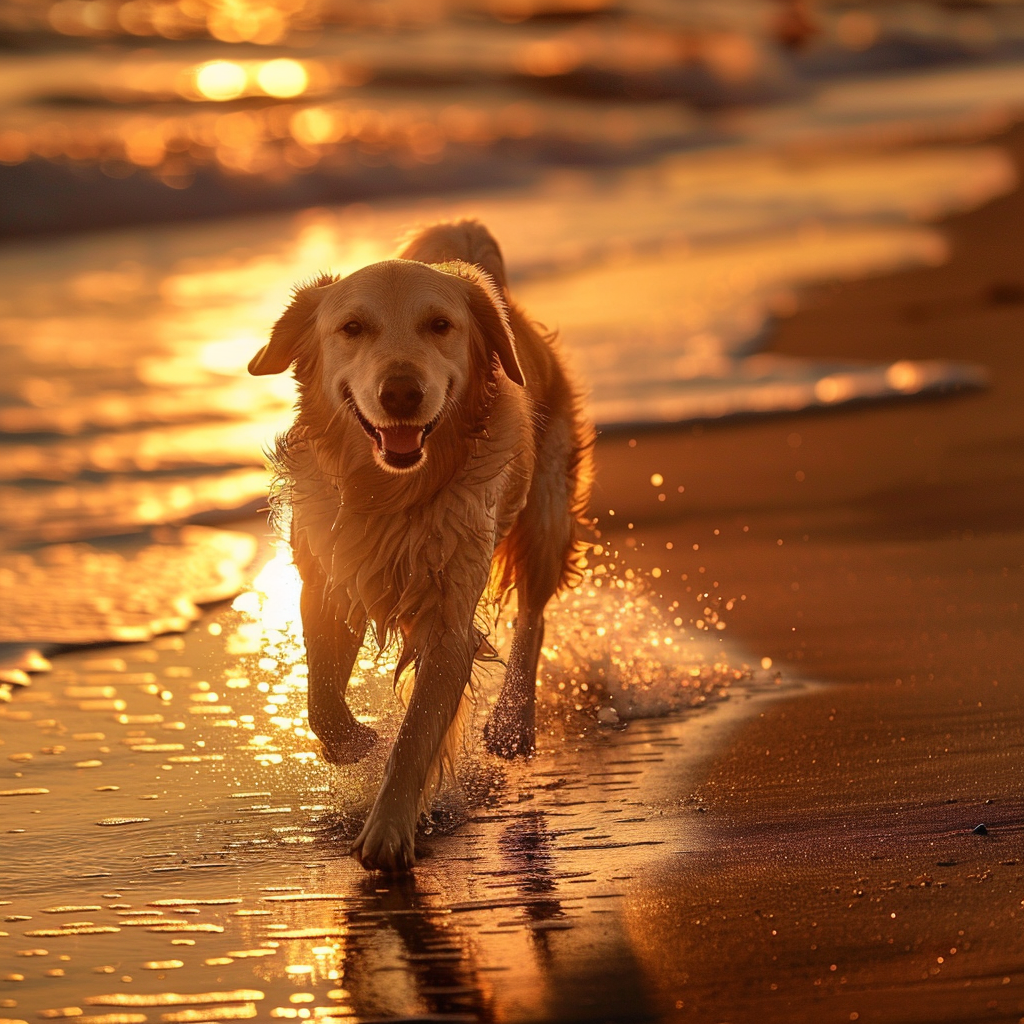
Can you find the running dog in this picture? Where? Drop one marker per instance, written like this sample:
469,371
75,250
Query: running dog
439,456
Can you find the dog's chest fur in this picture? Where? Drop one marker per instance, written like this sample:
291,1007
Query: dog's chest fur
390,565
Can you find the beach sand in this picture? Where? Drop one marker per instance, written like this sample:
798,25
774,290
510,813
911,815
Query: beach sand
881,551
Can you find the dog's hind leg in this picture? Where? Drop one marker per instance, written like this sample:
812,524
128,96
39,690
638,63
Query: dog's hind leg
540,545
511,727
331,650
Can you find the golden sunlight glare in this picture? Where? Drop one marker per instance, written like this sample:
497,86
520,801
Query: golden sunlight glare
282,78
220,80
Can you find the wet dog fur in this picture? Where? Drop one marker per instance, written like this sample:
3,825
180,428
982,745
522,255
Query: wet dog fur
439,457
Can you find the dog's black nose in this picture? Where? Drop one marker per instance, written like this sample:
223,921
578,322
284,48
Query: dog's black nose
401,397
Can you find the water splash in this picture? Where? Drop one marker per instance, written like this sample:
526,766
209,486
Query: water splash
611,644
612,653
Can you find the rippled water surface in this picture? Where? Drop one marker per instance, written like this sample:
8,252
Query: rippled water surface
125,401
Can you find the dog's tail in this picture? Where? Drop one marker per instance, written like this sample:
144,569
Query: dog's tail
466,240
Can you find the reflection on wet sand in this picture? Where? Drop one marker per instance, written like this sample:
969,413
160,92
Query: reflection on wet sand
530,865
197,835
419,938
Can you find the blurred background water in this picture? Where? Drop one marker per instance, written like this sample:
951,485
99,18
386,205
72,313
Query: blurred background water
127,111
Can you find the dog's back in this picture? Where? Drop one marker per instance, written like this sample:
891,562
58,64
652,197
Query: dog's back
540,553
466,240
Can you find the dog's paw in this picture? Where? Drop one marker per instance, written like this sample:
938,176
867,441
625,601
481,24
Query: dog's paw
385,845
507,734
349,746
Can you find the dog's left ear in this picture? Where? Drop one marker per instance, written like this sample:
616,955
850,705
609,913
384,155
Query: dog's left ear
280,352
491,315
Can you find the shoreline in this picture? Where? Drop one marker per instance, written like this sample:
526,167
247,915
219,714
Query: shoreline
226,846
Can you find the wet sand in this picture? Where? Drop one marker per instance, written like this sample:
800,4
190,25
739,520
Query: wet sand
880,550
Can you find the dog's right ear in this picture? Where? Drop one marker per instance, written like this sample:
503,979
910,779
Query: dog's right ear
489,310
286,337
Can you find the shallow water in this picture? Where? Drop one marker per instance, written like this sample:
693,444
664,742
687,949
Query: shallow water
197,848
125,401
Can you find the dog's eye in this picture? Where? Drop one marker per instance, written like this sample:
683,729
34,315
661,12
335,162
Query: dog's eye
440,325
352,328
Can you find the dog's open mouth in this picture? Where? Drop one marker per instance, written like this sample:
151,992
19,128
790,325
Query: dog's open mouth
400,446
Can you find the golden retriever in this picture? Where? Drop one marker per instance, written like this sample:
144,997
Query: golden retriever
439,455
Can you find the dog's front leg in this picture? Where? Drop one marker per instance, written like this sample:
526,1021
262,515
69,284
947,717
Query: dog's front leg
331,650
442,675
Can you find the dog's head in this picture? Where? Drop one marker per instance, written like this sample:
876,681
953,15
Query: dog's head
395,346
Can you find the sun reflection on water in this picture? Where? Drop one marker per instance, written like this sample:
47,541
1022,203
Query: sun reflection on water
220,80
240,790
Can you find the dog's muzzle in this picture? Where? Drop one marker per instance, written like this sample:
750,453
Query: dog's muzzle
400,446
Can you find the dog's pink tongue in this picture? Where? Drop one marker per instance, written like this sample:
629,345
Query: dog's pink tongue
401,440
